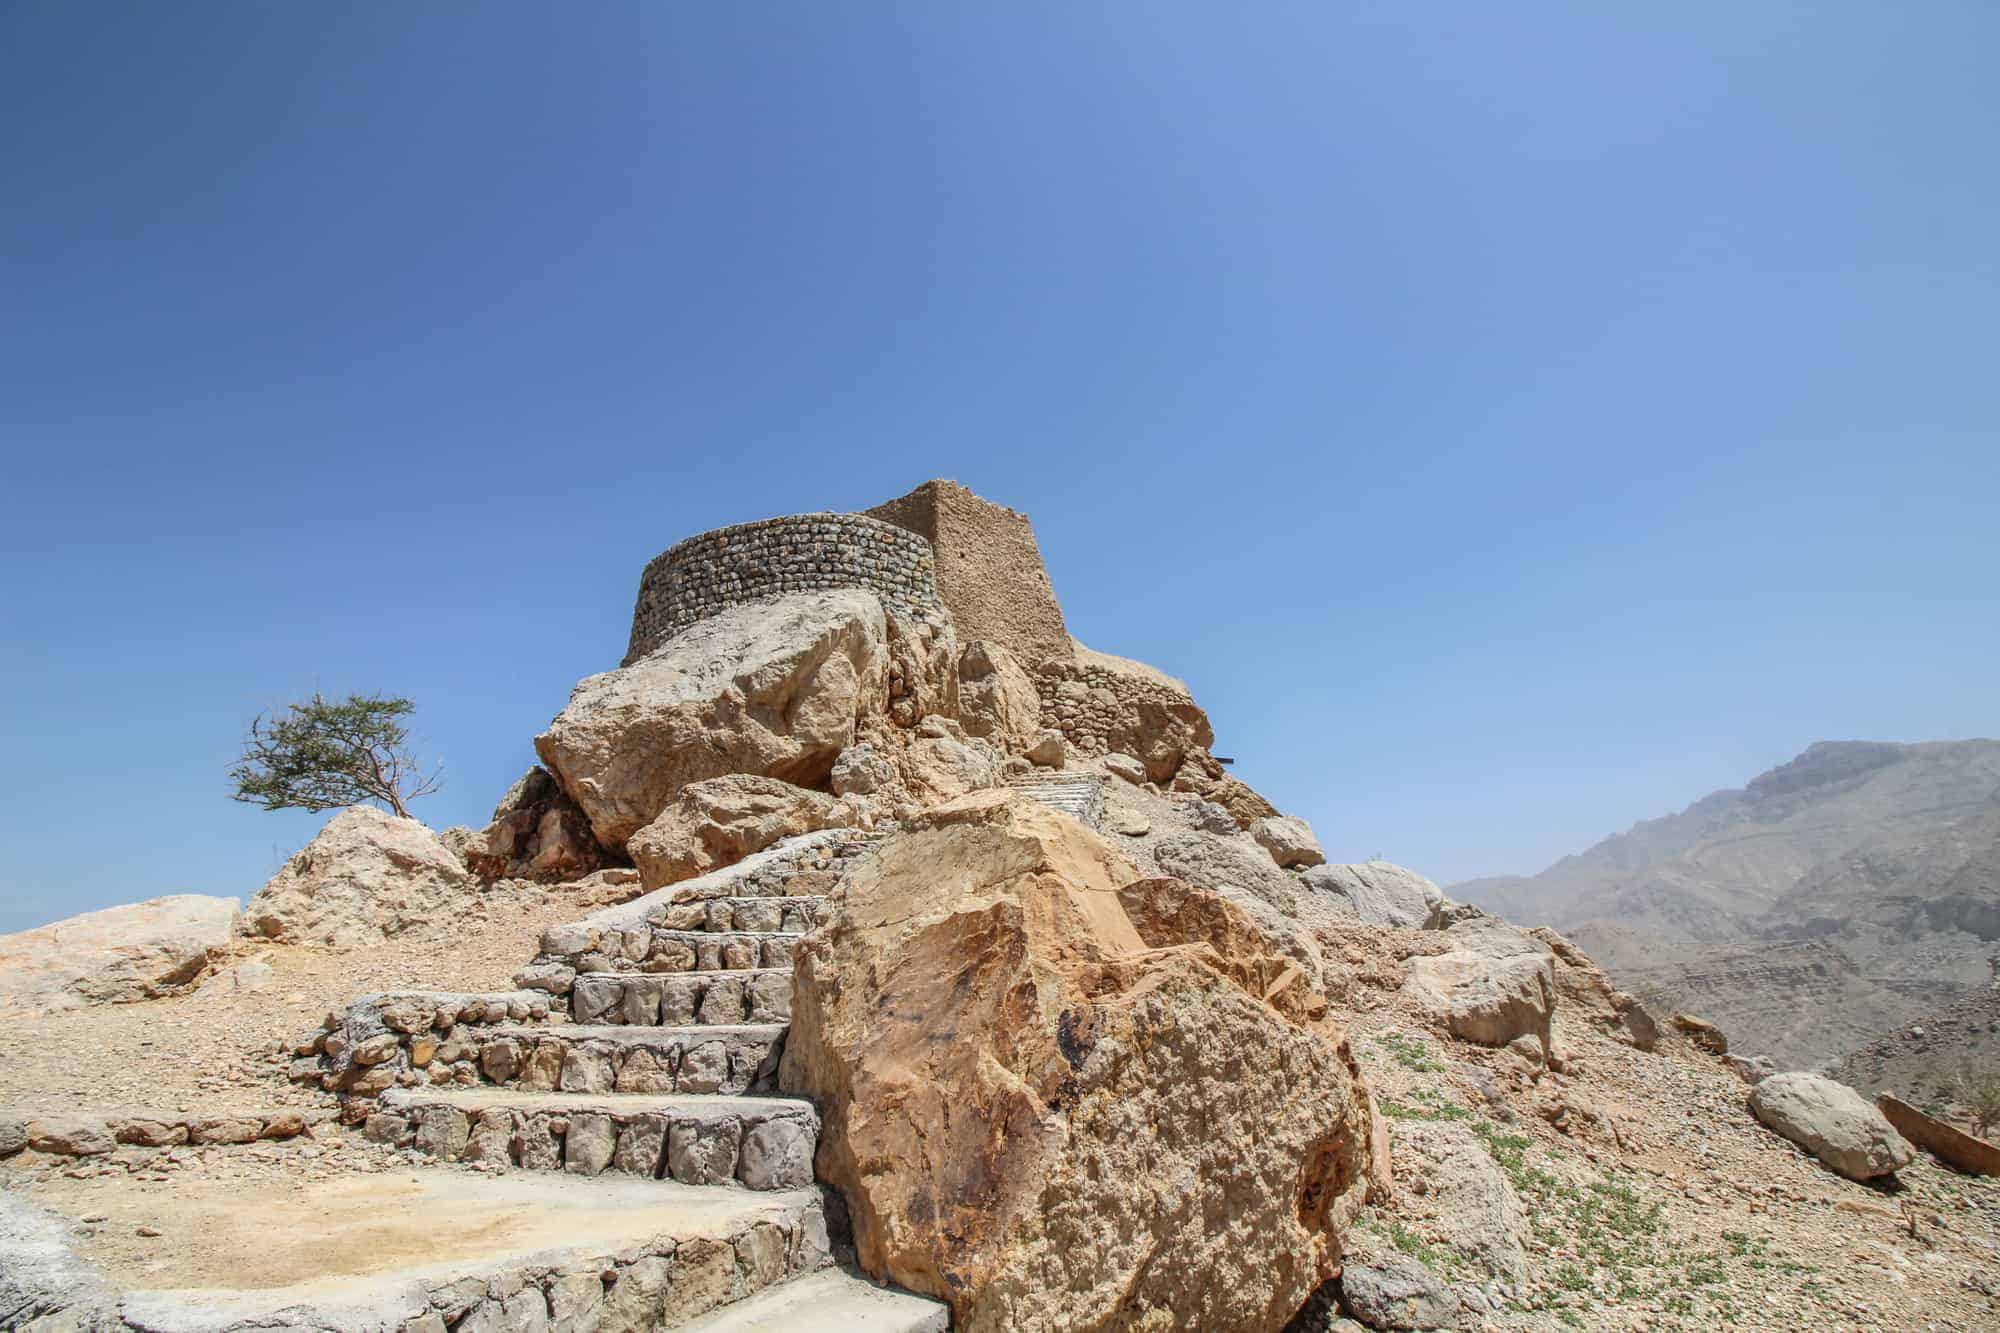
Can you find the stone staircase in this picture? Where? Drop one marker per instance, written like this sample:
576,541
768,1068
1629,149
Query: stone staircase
1078,795
663,1068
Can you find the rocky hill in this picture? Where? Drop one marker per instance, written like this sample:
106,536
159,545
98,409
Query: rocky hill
838,969
1826,902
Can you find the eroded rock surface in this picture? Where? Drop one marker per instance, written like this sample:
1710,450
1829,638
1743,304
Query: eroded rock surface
114,955
367,874
775,688
1378,893
1029,1062
719,821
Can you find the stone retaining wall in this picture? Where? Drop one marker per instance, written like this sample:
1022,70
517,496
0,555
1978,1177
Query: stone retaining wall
704,575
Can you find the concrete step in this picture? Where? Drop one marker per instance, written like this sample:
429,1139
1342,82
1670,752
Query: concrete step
576,1057
751,995
829,1301
410,1249
763,915
759,1143
1080,796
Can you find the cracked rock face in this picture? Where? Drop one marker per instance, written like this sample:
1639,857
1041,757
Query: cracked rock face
368,874
1030,1063
775,688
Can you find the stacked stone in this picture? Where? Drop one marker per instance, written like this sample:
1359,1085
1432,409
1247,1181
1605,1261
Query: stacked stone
1091,705
708,574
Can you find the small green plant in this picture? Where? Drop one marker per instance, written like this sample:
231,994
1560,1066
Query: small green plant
1409,1052
325,753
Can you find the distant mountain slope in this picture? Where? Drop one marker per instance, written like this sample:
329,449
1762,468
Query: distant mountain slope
1826,901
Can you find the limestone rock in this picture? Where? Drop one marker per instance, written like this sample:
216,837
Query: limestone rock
536,833
863,769
774,688
1833,1122
1477,1215
1229,865
936,769
997,699
1702,1033
121,953
1401,1294
1497,985
368,874
1289,840
1049,750
1028,1062
1240,800
1378,893
719,821
1126,767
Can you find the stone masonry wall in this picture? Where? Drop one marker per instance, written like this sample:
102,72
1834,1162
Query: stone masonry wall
703,575
989,569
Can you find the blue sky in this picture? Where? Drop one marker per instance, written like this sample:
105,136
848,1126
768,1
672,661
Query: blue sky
1513,420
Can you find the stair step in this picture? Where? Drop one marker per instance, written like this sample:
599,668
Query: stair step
718,950
577,1057
424,1247
829,1301
759,1143
762,915
748,995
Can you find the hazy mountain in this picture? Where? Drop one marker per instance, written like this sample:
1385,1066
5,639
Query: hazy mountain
1831,899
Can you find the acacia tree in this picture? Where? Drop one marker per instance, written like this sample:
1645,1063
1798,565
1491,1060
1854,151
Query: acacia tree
323,753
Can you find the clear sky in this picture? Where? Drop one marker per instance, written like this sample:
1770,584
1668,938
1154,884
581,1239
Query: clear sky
1512,420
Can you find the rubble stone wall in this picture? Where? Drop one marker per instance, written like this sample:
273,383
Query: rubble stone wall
710,573
1098,709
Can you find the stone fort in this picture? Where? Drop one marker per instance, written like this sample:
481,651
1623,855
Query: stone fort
940,546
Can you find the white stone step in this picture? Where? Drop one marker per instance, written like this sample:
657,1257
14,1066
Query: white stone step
745,995
760,1143
572,1057
829,1301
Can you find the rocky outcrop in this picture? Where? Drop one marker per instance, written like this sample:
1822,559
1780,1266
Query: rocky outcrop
1497,985
1028,1061
997,699
536,833
719,821
774,688
118,954
1378,893
1228,864
1833,1122
1106,704
368,874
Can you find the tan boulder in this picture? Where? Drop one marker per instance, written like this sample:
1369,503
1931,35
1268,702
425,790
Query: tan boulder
130,952
997,698
719,821
1289,840
1497,986
1061,1097
1833,1122
368,874
941,768
773,687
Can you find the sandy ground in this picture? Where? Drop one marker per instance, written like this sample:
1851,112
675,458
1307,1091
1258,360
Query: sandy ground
222,1047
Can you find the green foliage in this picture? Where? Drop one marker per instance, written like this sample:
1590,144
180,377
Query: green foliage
323,754
1409,1052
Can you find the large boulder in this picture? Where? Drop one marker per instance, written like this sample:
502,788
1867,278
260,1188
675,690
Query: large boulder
1378,893
368,874
1833,1122
773,687
1057,1096
1289,840
1495,985
719,821
131,952
1231,865
997,699
536,833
